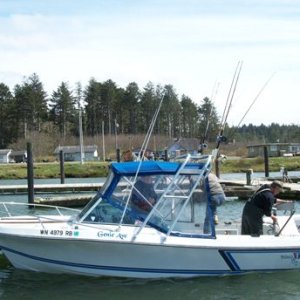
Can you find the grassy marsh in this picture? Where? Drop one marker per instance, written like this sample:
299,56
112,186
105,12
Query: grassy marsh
100,169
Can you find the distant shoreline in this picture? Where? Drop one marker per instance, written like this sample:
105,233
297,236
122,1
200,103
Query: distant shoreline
100,169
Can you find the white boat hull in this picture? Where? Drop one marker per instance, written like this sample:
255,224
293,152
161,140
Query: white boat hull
110,256
153,225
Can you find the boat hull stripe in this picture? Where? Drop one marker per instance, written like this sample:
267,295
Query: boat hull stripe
174,272
230,261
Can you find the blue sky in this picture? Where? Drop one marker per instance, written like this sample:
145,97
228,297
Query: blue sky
192,44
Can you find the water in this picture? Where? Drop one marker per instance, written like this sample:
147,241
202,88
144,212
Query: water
239,176
52,181
256,175
17,284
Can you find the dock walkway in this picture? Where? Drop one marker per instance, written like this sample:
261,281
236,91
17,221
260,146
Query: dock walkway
232,188
51,188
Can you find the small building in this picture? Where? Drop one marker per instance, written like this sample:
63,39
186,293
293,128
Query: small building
18,156
183,146
4,155
73,153
274,149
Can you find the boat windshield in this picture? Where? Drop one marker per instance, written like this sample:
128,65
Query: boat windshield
172,203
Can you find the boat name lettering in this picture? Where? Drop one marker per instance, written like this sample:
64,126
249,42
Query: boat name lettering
111,234
56,232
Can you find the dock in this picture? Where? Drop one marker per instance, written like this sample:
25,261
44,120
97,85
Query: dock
73,200
239,189
79,194
51,188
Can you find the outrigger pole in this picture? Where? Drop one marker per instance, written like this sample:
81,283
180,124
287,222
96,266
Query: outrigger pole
227,108
252,103
220,137
150,130
259,93
204,137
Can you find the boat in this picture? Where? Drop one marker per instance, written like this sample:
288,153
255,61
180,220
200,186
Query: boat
114,236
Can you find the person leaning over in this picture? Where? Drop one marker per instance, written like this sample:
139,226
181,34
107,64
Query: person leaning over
258,205
217,199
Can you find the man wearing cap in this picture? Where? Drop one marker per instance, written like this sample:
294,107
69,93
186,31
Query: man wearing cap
143,195
258,205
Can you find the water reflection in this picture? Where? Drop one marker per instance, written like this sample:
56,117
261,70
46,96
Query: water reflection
16,284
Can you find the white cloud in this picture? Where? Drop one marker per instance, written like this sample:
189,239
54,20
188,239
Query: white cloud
190,46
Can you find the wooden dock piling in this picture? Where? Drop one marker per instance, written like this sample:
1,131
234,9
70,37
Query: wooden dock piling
62,166
266,159
30,182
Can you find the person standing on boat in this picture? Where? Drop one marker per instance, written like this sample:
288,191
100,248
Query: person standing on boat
258,205
217,198
143,194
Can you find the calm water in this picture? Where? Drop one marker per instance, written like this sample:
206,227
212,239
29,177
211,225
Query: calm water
16,284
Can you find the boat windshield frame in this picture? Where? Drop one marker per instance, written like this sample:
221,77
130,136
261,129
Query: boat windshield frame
175,172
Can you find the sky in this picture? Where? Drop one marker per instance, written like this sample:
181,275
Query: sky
194,45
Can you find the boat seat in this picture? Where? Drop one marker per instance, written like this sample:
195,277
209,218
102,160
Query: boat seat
290,228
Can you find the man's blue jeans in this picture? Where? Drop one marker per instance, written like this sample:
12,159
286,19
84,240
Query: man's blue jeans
216,200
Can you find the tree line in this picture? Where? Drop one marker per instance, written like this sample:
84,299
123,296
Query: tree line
107,108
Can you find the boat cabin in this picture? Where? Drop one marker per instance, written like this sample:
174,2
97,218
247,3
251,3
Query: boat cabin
172,197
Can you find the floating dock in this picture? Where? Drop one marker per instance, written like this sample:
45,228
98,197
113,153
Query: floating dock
51,188
238,188
73,200
79,194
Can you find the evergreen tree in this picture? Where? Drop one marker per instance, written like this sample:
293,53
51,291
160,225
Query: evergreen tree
26,110
63,110
148,106
189,117
7,123
108,100
31,105
170,116
131,108
159,95
119,108
208,119
93,109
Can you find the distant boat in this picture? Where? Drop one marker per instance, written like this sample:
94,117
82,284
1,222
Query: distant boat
115,236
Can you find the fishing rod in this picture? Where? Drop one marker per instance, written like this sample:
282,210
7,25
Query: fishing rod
228,104
259,93
252,103
150,130
220,137
141,156
204,137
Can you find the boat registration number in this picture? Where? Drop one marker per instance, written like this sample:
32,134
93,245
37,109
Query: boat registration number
58,232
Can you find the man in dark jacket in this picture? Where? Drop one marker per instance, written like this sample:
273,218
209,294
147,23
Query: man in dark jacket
258,205
143,195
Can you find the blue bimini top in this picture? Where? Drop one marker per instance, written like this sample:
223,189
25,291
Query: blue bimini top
150,167
145,168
